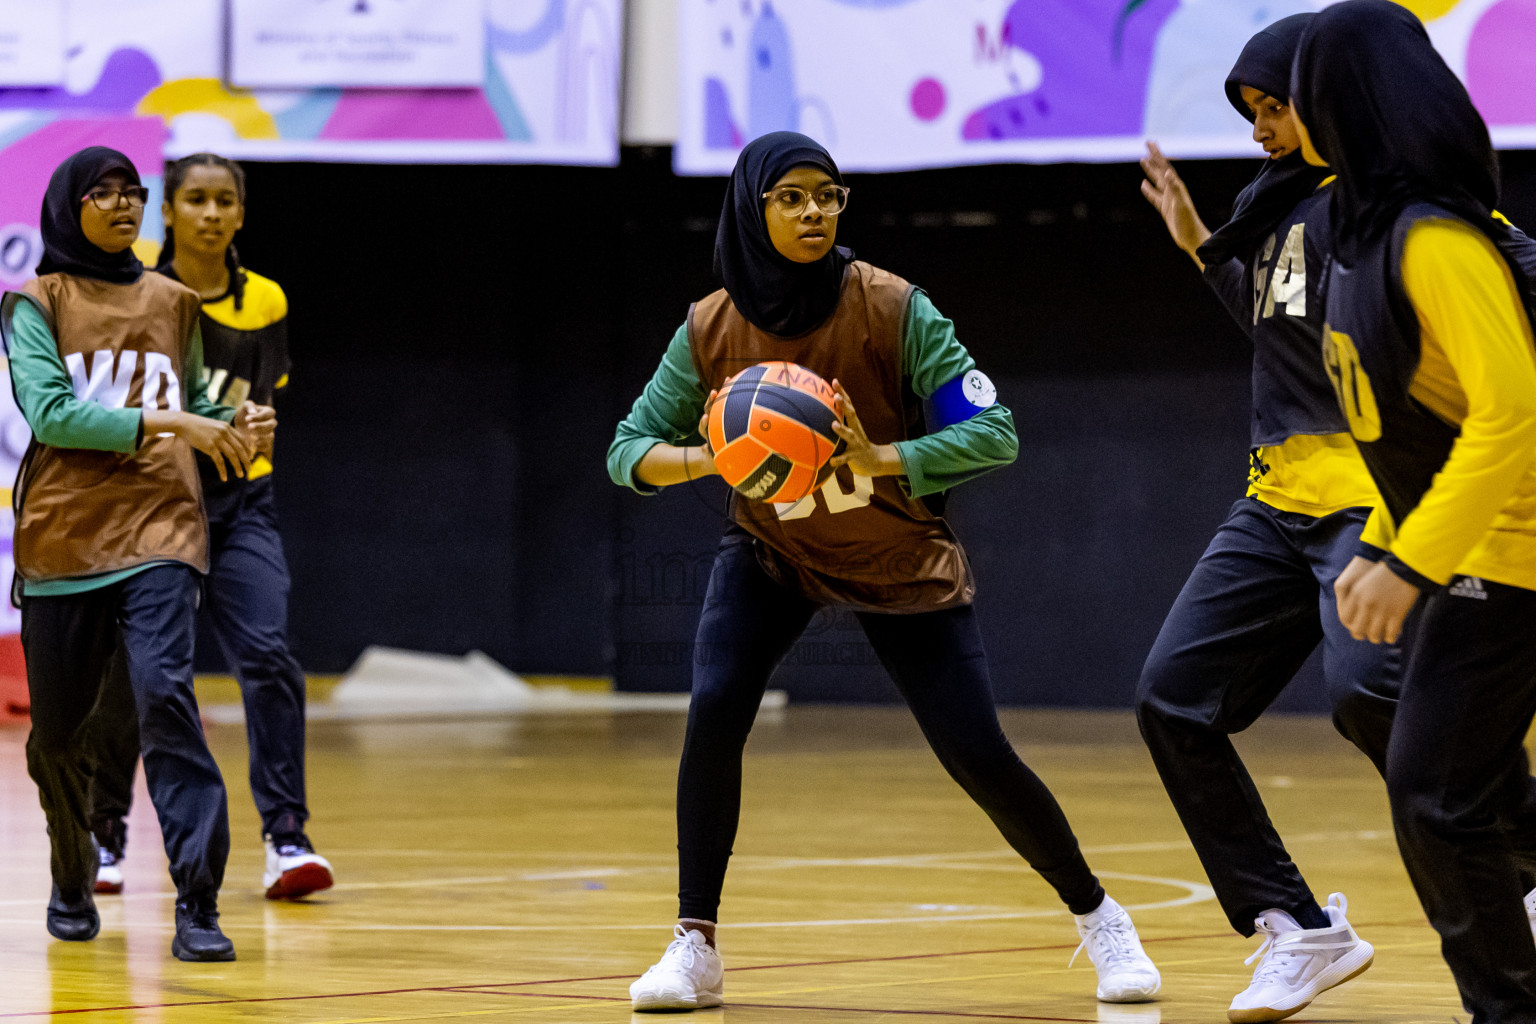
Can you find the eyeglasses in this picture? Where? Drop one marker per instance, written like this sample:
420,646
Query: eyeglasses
792,202
110,198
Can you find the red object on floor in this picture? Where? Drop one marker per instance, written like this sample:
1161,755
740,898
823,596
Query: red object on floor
14,699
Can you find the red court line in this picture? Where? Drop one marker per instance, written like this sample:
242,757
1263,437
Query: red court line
253,1000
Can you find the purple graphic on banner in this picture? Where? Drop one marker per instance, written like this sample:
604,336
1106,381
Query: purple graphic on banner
771,103
720,131
531,40
1499,63
1094,58
127,77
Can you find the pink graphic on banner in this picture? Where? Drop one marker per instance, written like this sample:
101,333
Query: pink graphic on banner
1094,57
1499,63
439,114
928,99
27,164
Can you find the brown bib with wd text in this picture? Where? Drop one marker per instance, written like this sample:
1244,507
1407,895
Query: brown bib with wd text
82,512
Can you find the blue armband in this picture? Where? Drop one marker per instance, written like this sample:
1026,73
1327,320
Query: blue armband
962,398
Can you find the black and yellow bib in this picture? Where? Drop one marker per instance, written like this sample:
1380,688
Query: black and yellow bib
1371,347
245,357
1291,393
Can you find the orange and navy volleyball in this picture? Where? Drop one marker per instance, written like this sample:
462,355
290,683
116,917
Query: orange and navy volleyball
770,428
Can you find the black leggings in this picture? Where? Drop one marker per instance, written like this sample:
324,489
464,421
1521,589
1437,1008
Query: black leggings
935,658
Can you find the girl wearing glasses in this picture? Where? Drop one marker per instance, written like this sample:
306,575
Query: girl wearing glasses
105,361
1429,343
245,348
790,293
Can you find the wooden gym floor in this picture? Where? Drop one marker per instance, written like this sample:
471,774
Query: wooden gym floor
524,870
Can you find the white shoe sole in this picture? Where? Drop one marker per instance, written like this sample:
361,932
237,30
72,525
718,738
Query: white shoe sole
652,1001
1133,995
1351,965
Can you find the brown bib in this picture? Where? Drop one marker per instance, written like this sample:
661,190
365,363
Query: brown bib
82,512
857,541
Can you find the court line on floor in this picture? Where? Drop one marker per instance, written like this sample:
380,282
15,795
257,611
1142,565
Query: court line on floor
616,977
1195,892
933,861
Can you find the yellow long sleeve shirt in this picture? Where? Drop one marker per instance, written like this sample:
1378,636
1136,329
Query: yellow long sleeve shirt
1477,370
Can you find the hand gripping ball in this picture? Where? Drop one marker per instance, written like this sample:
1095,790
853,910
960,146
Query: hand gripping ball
770,428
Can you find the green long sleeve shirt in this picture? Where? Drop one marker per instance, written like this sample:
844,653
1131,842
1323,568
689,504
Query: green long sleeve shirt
46,394
668,411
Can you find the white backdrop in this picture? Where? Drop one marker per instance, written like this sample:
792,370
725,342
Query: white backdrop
899,84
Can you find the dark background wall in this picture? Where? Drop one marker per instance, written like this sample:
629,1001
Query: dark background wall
465,338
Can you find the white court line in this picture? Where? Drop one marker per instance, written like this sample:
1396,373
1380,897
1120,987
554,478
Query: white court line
951,861
1195,892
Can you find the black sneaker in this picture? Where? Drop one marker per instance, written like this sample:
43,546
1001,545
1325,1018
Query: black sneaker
197,932
73,920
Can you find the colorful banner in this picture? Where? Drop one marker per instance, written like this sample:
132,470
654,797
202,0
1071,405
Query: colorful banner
548,93
902,84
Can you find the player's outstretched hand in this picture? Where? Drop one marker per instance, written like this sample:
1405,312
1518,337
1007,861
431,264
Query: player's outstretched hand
860,454
1373,601
1166,191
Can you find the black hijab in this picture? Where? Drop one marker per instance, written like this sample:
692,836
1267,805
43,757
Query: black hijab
1265,65
65,247
773,292
1393,120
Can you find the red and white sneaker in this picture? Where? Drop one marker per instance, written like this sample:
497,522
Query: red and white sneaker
294,869
109,873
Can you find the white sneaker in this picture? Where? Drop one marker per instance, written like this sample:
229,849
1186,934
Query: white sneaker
109,872
689,976
294,870
1126,973
1298,966
1530,910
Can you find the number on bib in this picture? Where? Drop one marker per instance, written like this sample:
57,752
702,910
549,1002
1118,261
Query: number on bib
1288,281
1351,384
837,499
